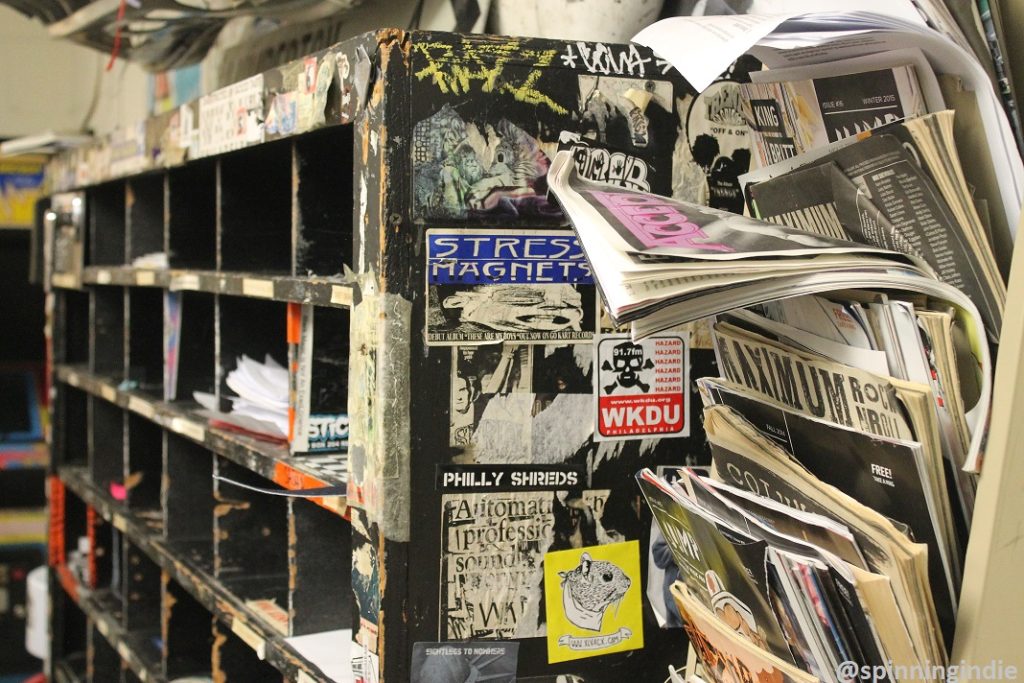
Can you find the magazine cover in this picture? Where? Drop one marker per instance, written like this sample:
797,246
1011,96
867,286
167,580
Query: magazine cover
726,654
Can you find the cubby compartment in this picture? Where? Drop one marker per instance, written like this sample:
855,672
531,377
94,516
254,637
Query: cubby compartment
187,495
105,207
185,627
75,529
140,577
323,197
106,312
191,318
106,564
71,322
104,662
250,327
146,340
70,407
234,661
144,465
329,378
69,637
145,210
320,545
106,444
255,209
250,536
192,216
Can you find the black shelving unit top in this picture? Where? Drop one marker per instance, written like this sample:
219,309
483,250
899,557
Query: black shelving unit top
272,462
262,636
320,291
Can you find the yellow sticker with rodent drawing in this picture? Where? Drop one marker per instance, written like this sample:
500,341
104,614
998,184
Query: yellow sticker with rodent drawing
593,601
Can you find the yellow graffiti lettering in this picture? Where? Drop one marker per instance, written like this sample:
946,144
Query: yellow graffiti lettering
485,64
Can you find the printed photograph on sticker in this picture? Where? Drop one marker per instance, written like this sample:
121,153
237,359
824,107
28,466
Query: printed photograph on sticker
517,403
465,662
593,601
530,286
642,387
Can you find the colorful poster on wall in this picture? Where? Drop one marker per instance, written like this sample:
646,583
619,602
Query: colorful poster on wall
21,182
487,286
643,387
593,601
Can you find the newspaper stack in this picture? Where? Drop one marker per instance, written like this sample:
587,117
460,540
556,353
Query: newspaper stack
260,408
851,313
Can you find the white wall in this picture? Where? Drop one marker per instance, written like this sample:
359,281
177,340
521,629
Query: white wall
47,84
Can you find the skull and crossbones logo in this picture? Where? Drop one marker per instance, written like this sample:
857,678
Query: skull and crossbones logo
627,362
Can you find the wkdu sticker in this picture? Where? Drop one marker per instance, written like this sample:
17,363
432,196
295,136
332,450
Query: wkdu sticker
592,597
642,387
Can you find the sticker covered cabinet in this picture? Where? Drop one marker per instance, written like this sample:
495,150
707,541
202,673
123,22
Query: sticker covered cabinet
375,219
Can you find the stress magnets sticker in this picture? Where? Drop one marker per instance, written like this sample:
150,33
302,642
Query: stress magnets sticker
592,598
642,387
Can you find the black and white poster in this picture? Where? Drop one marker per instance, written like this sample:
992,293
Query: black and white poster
492,552
520,403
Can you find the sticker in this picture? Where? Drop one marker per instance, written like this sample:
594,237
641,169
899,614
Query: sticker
341,295
308,78
258,288
715,151
486,286
282,116
346,87
188,428
229,118
141,406
64,280
146,278
186,126
492,552
468,478
462,170
365,664
438,662
615,110
103,277
271,612
189,281
526,404
480,373
249,637
108,393
642,387
171,343
593,601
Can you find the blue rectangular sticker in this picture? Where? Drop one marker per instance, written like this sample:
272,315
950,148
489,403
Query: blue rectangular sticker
508,285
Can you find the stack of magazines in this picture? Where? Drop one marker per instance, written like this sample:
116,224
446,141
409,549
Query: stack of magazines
852,312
